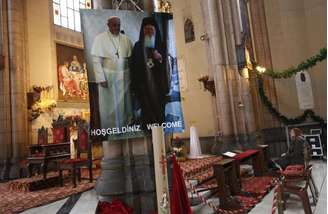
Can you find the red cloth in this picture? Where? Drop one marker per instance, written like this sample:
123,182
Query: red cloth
83,140
179,197
295,167
41,141
245,154
70,161
116,207
38,154
58,135
294,171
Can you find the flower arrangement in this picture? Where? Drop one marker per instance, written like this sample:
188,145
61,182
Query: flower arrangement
178,148
40,100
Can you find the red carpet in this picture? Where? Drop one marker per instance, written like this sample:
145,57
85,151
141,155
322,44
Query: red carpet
18,199
257,186
253,190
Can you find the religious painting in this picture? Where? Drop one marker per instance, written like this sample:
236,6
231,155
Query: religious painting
189,31
132,72
72,74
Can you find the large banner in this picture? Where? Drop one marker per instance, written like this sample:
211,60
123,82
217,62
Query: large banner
132,73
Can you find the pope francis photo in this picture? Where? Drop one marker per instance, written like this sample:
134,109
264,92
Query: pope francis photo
110,52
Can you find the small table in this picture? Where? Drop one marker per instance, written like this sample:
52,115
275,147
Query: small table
264,149
227,168
257,157
42,155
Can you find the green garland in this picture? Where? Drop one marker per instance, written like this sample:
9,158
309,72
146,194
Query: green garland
281,117
305,65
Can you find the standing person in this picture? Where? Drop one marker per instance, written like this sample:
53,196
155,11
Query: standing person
149,81
110,52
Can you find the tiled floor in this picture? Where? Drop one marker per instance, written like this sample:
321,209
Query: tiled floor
294,205
88,201
86,204
47,209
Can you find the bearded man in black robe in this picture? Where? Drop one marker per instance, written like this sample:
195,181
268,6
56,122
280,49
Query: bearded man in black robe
149,81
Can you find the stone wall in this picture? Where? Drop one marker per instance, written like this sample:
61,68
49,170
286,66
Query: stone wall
297,29
193,58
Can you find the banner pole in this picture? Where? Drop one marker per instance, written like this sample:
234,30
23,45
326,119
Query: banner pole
160,165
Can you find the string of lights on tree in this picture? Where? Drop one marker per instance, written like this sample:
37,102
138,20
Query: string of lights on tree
305,65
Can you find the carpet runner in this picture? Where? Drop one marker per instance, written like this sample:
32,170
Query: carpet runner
253,191
34,183
15,198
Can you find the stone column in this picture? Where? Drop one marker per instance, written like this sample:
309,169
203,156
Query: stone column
14,83
128,174
149,5
111,181
234,102
102,4
263,57
5,127
242,99
17,69
217,60
140,174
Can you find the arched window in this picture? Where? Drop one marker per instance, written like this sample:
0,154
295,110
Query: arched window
67,14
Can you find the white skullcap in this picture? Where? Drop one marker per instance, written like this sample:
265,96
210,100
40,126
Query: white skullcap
113,17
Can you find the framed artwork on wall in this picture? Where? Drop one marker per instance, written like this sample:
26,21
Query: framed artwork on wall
72,74
189,30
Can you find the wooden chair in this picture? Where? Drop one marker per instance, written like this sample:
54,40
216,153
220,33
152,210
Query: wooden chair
41,140
83,146
298,173
300,191
42,136
60,130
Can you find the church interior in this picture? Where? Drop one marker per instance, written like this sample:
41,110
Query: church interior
252,78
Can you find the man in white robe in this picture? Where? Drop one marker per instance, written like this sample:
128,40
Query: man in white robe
110,51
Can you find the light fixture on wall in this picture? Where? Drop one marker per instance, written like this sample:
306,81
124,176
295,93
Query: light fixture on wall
204,37
241,105
208,84
260,69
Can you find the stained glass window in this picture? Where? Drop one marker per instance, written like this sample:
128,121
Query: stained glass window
67,14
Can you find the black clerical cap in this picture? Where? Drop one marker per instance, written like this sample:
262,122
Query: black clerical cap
149,21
